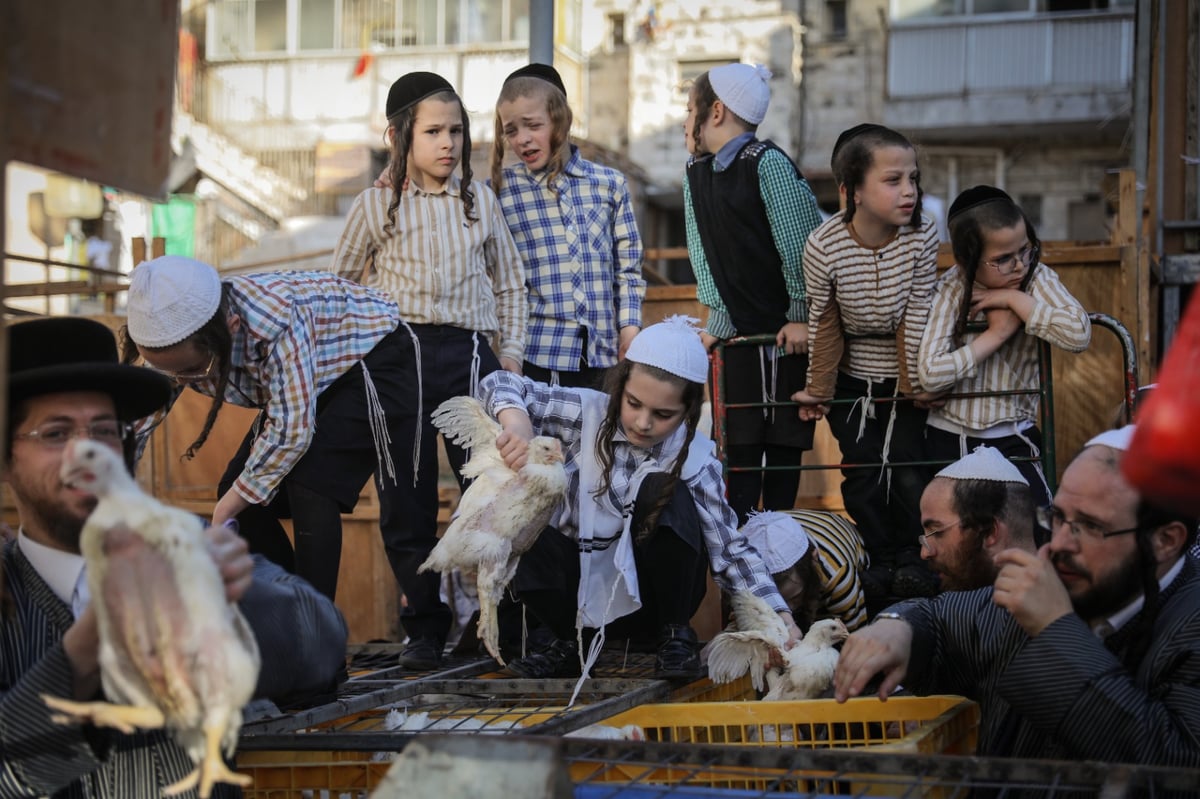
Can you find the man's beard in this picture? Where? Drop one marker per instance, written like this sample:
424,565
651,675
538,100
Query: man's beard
1105,597
970,568
61,525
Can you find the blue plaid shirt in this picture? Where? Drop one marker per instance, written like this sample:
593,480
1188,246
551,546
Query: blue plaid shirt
583,260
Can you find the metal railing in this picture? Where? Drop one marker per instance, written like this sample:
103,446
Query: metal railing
1044,391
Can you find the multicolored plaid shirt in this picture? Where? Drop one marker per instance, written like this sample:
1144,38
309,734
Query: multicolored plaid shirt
583,260
793,214
299,332
558,411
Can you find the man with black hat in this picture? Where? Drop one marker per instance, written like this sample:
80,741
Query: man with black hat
65,381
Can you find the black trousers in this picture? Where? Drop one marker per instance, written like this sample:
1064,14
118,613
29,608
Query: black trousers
889,521
327,480
671,564
408,515
754,435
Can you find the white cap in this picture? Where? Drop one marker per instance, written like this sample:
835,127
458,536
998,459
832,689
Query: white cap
743,89
779,539
1117,439
985,463
170,298
674,346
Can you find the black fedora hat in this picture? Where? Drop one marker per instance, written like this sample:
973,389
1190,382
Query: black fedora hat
47,356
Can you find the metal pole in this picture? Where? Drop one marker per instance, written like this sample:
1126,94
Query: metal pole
541,31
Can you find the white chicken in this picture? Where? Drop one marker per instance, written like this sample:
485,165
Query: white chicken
174,653
760,634
500,514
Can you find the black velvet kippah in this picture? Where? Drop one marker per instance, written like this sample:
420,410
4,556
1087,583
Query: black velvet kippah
976,195
412,88
847,135
541,72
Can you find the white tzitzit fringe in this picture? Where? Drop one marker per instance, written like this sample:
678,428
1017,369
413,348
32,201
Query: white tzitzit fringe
420,402
379,431
593,653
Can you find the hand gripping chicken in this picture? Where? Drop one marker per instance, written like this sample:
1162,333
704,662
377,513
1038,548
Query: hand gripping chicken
807,668
174,653
501,513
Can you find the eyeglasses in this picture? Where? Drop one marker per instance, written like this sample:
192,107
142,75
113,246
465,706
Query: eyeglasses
194,374
57,434
1008,264
928,538
1052,518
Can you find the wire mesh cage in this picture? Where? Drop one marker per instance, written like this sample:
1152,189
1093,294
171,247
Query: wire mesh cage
345,746
623,770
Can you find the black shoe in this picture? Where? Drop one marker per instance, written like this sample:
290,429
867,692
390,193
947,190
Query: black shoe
557,659
421,654
678,653
915,581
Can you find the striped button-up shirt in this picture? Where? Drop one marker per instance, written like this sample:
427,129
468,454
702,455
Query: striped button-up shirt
558,411
440,267
867,306
299,332
1057,317
792,213
583,260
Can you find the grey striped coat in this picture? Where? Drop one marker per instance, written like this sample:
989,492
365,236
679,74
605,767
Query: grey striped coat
1066,694
41,758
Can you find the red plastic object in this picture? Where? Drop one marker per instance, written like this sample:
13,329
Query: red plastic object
1163,461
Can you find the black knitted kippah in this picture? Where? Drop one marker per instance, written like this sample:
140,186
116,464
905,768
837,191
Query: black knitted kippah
412,88
541,72
847,135
976,195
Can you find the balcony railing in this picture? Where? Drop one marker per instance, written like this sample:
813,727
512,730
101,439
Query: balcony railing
1052,53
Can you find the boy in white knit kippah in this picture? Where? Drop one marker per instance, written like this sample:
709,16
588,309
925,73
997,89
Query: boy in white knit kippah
973,509
645,515
748,212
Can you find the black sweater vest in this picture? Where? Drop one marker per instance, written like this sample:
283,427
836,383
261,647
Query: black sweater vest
736,236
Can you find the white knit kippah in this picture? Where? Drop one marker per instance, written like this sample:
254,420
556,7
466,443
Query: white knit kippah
170,298
985,463
1117,439
743,89
674,346
779,539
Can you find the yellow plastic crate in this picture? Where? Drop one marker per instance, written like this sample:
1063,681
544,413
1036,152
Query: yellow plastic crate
705,690
293,775
927,725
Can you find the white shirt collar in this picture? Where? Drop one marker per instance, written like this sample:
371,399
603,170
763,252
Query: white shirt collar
1121,617
59,569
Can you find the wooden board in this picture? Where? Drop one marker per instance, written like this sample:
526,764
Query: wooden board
90,88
